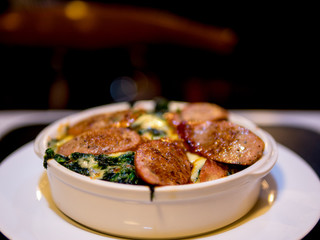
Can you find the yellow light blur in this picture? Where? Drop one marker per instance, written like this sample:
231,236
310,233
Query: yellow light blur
271,197
131,223
38,194
265,185
11,21
76,10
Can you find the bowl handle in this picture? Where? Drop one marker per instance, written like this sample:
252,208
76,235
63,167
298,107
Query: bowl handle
272,156
39,143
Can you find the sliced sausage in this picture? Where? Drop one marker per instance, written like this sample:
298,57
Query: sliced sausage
162,163
106,120
222,141
203,111
103,141
212,170
173,118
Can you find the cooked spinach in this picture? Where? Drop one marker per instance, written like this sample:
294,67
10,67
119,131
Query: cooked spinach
162,106
111,168
119,169
48,155
155,133
53,143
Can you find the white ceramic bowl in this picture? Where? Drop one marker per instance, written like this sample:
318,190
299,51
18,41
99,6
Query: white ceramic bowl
175,211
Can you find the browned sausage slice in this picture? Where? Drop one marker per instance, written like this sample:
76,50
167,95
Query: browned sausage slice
203,111
212,170
103,141
106,120
223,141
196,112
162,163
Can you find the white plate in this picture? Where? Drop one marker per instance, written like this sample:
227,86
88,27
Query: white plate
288,205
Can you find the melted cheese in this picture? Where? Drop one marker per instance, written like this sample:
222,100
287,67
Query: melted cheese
117,154
92,165
197,163
152,121
64,140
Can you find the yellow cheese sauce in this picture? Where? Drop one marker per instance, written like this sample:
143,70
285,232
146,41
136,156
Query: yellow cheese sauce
197,163
93,167
152,127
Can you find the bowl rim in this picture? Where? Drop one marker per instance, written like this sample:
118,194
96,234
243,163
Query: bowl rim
126,191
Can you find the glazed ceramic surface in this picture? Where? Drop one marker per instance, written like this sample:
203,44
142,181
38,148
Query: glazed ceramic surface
168,212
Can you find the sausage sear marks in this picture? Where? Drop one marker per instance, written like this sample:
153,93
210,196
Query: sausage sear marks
218,147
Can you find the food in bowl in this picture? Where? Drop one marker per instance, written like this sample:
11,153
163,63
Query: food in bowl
169,208
192,144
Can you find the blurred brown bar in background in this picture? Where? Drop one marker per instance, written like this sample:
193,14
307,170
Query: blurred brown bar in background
182,52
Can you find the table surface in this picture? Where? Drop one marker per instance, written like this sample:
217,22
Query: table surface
298,130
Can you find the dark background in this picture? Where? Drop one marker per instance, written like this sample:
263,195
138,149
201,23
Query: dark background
274,65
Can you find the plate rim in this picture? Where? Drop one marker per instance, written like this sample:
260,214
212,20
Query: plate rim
29,147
